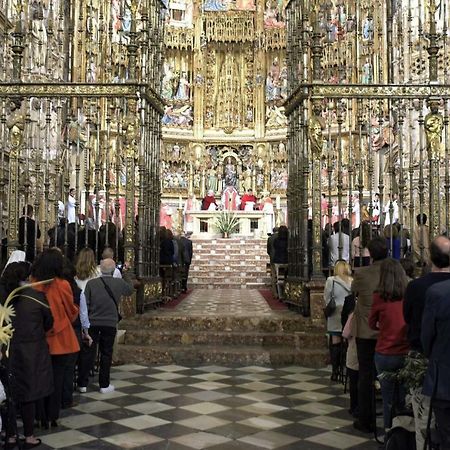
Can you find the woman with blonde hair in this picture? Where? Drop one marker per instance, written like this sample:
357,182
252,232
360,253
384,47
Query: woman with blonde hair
337,288
86,267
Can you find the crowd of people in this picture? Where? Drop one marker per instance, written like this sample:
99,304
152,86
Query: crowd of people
63,315
385,324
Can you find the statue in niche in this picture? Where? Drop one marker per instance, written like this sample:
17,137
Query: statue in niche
182,91
367,72
247,182
315,134
212,180
230,173
275,117
367,29
434,124
167,82
38,44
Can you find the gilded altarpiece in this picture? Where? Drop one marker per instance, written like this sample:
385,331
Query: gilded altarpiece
224,83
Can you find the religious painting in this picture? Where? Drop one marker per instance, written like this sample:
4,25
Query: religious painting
276,80
175,83
274,14
245,5
278,178
174,176
181,116
173,152
215,5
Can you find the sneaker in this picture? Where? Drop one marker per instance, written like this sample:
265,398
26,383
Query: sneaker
107,390
82,389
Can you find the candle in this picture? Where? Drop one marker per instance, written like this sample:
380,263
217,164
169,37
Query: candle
278,202
180,202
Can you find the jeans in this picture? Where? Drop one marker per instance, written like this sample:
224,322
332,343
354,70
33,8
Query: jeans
366,350
390,363
104,338
442,413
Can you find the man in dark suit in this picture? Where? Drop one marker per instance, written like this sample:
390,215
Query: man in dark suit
28,225
186,252
365,282
435,337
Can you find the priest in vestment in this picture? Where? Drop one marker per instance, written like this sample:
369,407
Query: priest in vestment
248,201
209,202
189,205
230,199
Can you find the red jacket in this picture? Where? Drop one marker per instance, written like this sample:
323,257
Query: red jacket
387,316
61,339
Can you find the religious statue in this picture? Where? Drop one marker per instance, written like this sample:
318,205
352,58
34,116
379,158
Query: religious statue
315,133
248,179
367,31
16,126
38,47
367,72
230,173
167,82
182,91
212,181
434,124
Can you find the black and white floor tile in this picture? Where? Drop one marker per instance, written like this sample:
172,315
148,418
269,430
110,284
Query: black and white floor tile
217,408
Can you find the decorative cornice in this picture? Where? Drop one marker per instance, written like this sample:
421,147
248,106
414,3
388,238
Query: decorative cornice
82,90
352,91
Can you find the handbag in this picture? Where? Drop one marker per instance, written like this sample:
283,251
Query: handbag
108,290
331,305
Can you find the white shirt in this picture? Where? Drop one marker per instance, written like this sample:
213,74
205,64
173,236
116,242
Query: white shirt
395,213
333,245
70,209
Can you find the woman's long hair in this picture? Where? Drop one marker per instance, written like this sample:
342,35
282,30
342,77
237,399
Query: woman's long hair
393,280
365,234
14,274
86,266
49,264
343,270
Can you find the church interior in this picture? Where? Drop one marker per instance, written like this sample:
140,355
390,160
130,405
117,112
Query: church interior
230,154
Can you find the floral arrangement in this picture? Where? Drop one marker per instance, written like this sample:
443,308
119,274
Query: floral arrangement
412,374
7,312
227,222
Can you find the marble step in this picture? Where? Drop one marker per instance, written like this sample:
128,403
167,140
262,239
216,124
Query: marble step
220,355
220,338
288,322
224,285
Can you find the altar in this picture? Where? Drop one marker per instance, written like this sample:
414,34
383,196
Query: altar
251,223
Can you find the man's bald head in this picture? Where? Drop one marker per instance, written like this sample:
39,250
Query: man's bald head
440,252
107,266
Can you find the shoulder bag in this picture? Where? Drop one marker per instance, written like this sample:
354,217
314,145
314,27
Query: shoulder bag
108,290
331,305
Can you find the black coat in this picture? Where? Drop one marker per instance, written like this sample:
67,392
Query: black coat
29,358
435,336
32,235
186,251
280,255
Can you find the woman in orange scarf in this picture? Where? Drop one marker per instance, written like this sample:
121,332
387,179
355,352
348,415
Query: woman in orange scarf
62,340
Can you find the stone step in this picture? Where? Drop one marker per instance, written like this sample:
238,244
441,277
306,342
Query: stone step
224,285
297,340
221,355
228,279
285,322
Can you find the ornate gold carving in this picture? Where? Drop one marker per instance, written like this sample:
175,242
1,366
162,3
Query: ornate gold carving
181,38
234,26
275,38
434,124
152,290
316,126
294,292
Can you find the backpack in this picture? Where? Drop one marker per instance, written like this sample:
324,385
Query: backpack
402,435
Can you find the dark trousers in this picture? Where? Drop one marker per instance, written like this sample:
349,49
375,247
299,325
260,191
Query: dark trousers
28,411
441,410
60,364
366,353
184,277
103,337
353,376
67,392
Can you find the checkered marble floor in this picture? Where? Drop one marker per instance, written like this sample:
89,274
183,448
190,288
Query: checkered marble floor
213,302
217,408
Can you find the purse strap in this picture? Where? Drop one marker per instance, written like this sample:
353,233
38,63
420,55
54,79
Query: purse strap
108,290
